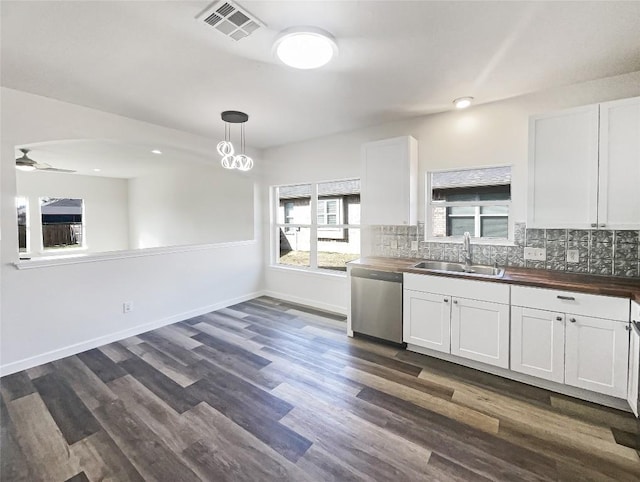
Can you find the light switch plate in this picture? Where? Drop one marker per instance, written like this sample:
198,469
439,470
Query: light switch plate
394,244
573,256
414,246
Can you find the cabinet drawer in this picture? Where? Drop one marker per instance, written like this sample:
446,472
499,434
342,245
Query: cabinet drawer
476,290
635,311
571,302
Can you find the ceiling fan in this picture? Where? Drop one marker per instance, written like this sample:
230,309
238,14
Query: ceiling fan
25,163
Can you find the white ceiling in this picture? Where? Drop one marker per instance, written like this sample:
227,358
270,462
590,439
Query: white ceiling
111,158
151,60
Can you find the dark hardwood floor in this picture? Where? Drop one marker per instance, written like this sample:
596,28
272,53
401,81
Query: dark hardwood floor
266,390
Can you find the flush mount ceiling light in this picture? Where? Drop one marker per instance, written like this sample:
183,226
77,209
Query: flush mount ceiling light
305,47
231,160
462,102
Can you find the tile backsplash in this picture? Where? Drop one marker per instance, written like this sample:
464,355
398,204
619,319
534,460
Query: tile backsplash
603,252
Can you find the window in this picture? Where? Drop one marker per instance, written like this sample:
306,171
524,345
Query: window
329,212
288,212
62,222
22,207
317,226
470,200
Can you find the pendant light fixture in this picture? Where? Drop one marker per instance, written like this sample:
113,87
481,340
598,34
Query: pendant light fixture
231,160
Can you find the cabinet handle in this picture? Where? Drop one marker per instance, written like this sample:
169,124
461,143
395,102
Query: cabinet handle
446,300
455,302
603,225
559,318
567,298
628,328
572,320
594,225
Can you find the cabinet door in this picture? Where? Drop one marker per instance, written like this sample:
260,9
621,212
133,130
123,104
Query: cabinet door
427,320
596,355
634,358
537,343
563,169
619,181
390,182
480,331
634,368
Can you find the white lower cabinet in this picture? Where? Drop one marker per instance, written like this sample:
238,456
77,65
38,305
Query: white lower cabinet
438,318
596,355
562,344
537,343
634,358
480,331
576,339
427,320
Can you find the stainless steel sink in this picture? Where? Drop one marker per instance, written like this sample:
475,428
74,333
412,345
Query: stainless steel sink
459,268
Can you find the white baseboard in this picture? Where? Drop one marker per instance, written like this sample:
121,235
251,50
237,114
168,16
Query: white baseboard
341,310
76,348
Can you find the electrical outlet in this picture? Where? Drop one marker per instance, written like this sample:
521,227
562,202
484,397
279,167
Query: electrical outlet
394,244
127,307
573,256
414,246
535,254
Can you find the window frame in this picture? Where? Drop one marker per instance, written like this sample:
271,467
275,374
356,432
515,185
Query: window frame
430,204
313,227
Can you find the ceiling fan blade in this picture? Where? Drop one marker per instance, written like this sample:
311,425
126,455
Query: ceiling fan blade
27,162
54,169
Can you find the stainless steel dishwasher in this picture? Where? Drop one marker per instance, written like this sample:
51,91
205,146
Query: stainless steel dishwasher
376,304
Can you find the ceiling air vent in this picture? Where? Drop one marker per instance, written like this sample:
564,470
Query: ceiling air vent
230,19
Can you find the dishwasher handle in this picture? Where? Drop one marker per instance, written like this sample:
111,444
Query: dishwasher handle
376,275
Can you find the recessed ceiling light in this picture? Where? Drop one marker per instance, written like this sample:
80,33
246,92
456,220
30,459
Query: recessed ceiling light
156,151
462,102
305,47
97,170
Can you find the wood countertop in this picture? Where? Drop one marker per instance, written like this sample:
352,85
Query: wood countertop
541,278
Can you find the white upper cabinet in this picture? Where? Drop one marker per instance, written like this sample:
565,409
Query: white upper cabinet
563,169
584,167
619,183
389,189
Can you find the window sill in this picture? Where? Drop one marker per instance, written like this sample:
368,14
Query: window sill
478,241
308,271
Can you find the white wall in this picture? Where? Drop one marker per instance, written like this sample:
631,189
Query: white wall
46,313
490,134
106,212
190,206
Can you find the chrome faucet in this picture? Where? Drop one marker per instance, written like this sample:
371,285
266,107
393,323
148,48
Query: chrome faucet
466,250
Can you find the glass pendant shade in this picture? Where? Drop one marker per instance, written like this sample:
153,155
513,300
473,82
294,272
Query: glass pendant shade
231,160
